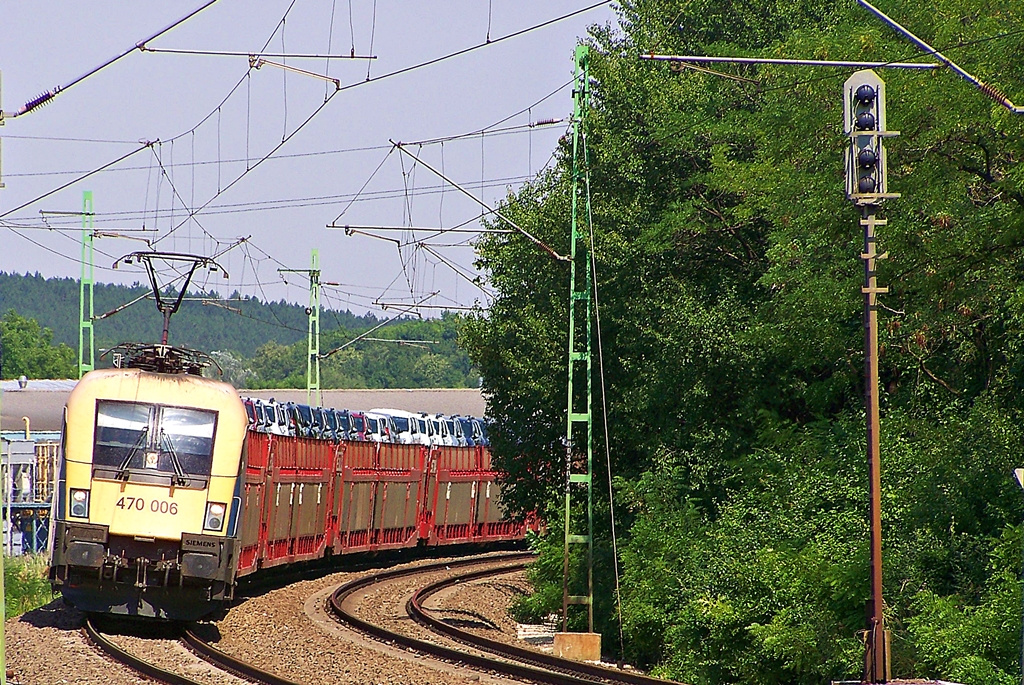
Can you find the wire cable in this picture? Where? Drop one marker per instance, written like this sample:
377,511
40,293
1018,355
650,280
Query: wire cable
241,80
76,180
249,168
181,200
463,51
490,133
604,393
44,98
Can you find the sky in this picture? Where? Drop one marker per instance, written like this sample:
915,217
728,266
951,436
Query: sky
275,156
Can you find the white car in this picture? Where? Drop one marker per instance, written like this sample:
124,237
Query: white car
407,426
432,426
277,418
380,427
443,436
455,428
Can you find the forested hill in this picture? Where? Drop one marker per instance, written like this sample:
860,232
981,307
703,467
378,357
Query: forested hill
257,345
53,302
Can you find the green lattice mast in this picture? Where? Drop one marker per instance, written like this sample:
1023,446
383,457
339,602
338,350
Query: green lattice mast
86,312
313,339
579,431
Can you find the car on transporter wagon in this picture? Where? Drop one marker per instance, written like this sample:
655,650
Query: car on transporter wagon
406,427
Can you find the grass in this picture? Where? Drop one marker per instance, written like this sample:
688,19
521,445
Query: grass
26,586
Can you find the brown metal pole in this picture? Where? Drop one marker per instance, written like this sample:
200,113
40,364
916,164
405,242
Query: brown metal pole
877,647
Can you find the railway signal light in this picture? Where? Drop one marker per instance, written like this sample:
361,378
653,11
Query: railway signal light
80,503
214,516
864,123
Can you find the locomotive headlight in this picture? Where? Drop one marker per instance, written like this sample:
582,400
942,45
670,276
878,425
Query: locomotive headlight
80,503
214,516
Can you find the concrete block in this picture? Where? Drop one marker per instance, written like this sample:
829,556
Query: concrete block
578,646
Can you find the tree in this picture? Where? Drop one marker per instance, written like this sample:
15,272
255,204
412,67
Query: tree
727,263
28,350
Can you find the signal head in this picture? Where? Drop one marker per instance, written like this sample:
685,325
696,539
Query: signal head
865,94
865,121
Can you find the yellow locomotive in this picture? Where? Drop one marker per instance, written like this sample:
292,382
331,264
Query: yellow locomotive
148,500
166,494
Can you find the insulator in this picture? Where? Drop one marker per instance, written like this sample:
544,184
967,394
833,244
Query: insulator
867,158
37,101
865,94
993,93
866,121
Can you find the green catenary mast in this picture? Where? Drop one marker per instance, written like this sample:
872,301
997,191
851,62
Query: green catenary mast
313,339
86,312
579,433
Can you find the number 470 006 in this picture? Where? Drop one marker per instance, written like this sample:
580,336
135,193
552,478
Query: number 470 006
157,506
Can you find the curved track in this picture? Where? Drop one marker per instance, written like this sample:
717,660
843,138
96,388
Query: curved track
96,636
195,644
509,660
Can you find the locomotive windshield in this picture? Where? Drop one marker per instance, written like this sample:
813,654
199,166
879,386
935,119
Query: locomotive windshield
151,439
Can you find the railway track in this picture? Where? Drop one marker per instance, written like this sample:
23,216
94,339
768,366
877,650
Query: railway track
195,644
508,660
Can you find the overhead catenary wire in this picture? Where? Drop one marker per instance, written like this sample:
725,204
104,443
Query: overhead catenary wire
441,307
456,268
330,97
244,207
243,79
45,97
249,167
193,211
312,201
181,200
436,230
536,241
61,139
76,180
359,337
254,54
472,48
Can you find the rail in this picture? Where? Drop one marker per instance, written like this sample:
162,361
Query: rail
509,660
198,646
592,672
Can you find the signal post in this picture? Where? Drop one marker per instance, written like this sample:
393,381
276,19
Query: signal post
866,187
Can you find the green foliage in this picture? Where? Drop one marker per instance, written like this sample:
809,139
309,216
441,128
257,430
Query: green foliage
974,642
28,350
54,303
546,575
263,347
25,584
404,363
730,305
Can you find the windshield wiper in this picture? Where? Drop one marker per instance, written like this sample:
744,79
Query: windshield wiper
179,473
122,470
